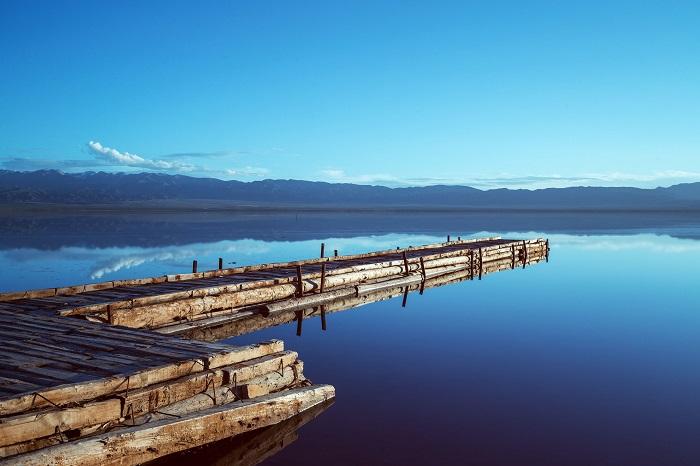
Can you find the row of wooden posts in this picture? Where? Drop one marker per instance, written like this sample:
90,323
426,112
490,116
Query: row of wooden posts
299,315
407,272
323,254
335,253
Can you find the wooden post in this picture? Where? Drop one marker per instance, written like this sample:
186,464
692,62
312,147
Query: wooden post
512,256
323,249
422,268
300,319
422,287
546,250
300,284
405,263
323,277
323,317
335,253
459,238
194,266
221,263
471,264
524,253
448,238
481,262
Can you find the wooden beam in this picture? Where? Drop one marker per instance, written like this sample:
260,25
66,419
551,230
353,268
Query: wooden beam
30,426
308,301
139,444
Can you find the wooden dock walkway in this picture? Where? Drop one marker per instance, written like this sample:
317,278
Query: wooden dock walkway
162,301
76,390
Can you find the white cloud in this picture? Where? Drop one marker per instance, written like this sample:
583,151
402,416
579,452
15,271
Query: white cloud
656,176
644,242
122,260
117,157
333,173
133,160
339,176
247,171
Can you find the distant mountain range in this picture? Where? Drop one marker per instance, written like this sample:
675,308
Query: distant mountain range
100,188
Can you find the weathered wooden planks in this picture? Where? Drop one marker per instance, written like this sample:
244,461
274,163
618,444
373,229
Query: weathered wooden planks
252,448
221,375
143,443
53,361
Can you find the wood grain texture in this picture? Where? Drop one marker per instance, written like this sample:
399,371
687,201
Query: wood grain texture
144,443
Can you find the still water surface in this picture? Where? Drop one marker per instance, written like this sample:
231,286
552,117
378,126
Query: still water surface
591,358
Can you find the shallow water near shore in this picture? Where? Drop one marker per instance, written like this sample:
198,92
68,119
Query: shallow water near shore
587,359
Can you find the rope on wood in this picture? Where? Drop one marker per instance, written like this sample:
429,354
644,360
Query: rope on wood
37,394
170,414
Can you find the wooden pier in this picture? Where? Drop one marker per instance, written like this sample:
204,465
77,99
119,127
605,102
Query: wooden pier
171,299
98,373
238,322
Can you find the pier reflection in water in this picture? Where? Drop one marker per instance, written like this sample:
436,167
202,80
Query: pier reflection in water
260,319
250,448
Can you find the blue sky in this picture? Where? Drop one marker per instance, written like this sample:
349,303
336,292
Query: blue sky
489,94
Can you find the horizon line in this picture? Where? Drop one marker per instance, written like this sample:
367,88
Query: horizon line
351,183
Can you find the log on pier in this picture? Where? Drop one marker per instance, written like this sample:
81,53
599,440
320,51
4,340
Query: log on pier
250,448
136,445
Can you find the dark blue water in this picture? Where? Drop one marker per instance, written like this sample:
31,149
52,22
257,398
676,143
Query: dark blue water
591,358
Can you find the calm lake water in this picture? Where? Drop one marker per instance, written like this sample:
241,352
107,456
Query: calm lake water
591,358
